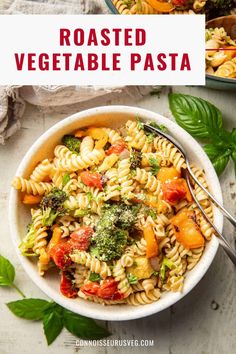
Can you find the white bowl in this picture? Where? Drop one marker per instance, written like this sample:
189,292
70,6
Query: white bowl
19,214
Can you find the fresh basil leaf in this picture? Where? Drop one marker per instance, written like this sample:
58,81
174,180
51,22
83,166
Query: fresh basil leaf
29,309
7,272
83,327
218,159
198,117
65,179
220,163
52,326
94,276
233,136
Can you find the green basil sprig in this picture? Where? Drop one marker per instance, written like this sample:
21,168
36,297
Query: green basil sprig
203,120
53,316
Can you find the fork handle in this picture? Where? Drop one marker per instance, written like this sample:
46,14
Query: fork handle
213,199
222,240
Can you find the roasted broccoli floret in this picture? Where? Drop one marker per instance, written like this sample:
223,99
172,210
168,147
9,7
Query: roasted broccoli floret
111,236
118,215
72,143
52,206
107,245
26,246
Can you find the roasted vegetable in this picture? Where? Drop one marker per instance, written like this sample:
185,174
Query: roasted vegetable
72,143
52,206
31,199
186,229
152,246
141,269
109,245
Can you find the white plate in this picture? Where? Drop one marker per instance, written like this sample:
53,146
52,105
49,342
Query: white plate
19,216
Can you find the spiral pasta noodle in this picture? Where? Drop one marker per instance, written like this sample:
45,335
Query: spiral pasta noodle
170,151
92,263
137,138
41,171
31,187
148,180
120,276
143,298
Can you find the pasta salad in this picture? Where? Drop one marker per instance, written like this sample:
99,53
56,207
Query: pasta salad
132,7
113,213
220,53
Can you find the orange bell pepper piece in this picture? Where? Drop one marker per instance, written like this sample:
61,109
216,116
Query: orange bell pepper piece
152,246
167,173
79,133
186,230
55,239
161,6
44,257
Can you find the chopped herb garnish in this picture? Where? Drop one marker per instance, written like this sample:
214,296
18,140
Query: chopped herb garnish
154,165
150,137
132,279
140,125
166,263
151,212
155,273
90,196
94,277
79,213
65,179
158,126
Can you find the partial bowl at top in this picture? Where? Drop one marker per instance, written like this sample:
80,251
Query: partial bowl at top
110,116
229,24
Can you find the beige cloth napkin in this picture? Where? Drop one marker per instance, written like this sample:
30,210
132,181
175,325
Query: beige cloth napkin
54,98
53,7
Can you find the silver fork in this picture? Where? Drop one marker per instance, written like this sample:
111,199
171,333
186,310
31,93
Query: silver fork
223,242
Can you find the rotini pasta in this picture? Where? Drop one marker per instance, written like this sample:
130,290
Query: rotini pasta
220,62
112,214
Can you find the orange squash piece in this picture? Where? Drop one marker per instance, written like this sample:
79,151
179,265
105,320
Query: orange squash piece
161,6
186,230
152,246
44,257
31,199
79,133
167,173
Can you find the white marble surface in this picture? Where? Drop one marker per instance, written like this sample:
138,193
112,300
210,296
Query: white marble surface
203,322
